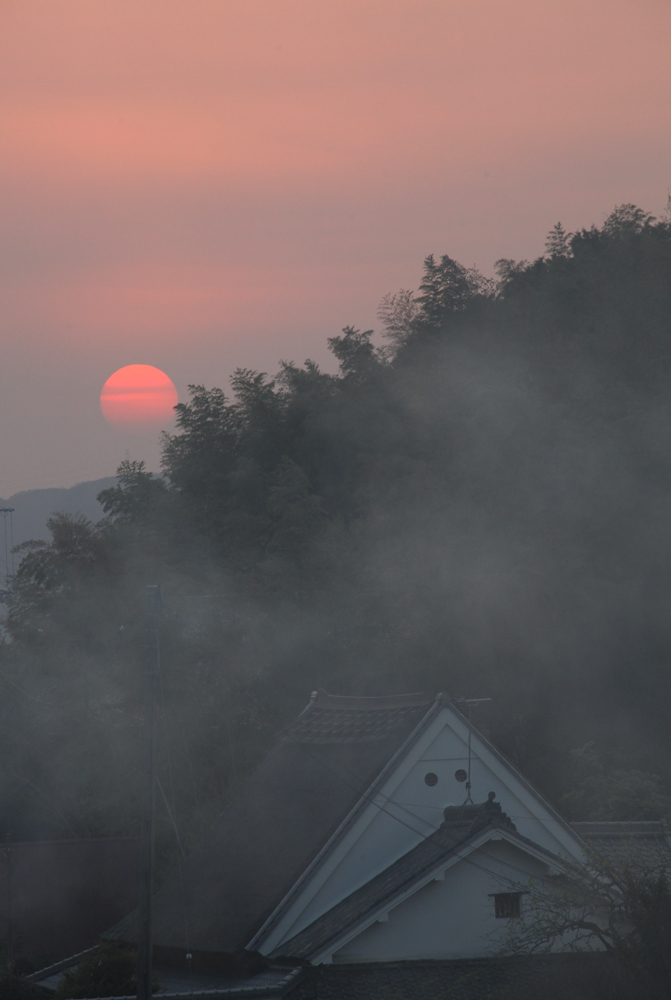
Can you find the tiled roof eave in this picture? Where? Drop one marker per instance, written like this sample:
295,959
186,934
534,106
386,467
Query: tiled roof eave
362,803
270,991
310,944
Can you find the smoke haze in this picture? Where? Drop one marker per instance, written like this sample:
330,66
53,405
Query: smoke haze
483,510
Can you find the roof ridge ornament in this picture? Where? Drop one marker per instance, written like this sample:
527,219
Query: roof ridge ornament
368,703
477,815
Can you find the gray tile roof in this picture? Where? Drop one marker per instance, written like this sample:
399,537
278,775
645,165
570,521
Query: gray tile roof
278,823
644,845
461,825
537,977
357,723
179,980
176,984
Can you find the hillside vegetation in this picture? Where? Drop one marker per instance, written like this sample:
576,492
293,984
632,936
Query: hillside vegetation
478,502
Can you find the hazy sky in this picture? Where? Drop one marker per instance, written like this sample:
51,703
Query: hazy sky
206,184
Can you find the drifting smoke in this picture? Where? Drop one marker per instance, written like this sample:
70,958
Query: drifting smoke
482,507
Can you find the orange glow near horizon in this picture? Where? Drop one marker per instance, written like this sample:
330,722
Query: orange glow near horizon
222,185
210,167
138,397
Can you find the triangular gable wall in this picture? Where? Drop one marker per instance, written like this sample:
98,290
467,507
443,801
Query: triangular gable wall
449,916
402,809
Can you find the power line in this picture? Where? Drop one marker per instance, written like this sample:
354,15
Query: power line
421,833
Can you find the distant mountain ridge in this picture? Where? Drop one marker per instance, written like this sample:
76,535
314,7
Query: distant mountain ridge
32,509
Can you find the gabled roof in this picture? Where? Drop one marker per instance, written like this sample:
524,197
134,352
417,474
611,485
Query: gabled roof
386,801
464,827
285,813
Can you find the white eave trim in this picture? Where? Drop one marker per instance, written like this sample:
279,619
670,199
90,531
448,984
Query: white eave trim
435,874
266,932
365,800
526,784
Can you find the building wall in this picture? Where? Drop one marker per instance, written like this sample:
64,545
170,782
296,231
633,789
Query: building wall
406,810
453,918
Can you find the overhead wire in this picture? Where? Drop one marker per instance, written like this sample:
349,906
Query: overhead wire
434,828
171,817
407,806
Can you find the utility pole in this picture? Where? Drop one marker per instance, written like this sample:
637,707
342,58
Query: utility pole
7,511
10,930
144,951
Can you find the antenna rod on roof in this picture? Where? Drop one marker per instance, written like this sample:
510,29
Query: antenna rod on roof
470,704
144,949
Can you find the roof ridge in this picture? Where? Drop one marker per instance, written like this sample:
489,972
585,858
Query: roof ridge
445,700
408,869
366,703
365,799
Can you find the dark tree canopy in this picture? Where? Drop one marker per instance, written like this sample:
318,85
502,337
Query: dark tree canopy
482,505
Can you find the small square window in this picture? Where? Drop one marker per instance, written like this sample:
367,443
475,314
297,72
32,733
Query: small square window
507,904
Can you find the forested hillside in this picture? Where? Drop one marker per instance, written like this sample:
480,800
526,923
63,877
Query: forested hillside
478,502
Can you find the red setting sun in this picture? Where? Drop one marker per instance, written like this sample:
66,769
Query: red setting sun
138,397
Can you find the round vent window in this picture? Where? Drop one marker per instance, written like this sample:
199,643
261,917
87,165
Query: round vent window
460,775
431,778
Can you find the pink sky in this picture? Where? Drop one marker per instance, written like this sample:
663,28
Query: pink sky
206,184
